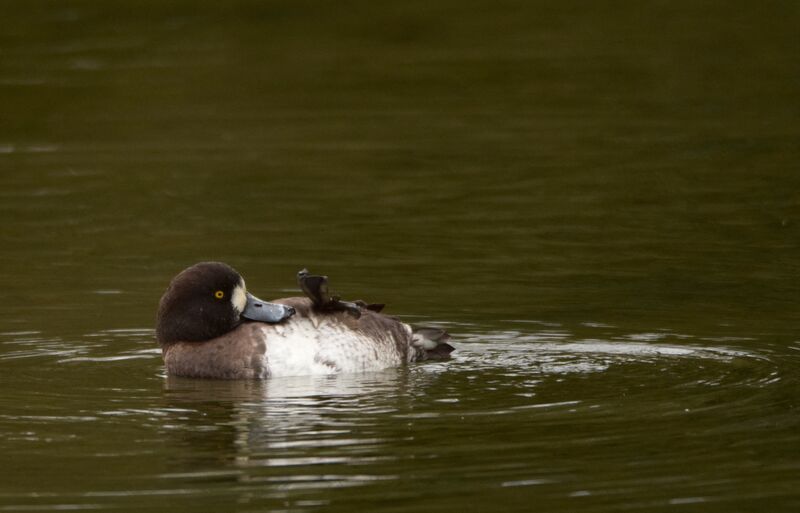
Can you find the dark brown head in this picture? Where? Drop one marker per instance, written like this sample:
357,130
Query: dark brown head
208,300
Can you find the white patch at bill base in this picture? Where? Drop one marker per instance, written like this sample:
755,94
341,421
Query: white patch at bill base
239,297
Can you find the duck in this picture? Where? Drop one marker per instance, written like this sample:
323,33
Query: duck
210,326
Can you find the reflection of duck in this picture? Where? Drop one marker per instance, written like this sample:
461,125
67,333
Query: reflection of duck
286,436
280,389
209,326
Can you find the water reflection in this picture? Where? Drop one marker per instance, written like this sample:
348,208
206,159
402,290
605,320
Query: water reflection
299,434
283,387
295,438
570,399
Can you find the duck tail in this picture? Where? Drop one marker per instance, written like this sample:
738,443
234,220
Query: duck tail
433,342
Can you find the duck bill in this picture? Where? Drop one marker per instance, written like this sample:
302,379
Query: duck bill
257,310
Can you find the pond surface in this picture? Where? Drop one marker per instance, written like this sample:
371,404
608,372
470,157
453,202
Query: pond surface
601,202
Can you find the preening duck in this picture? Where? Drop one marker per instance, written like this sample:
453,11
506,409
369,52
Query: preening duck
210,326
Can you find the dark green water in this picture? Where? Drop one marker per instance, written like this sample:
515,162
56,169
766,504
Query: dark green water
600,200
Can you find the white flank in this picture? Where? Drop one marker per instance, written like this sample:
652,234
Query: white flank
315,345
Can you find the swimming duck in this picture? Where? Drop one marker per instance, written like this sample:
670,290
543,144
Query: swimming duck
210,326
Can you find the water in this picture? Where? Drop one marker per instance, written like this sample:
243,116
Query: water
598,201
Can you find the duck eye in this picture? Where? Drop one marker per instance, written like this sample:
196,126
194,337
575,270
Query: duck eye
219,294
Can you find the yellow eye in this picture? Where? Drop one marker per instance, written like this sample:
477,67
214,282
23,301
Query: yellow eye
219,294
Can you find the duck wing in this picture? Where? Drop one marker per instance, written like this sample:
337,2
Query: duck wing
316,288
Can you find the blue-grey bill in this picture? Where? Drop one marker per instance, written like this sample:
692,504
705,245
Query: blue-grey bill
257,310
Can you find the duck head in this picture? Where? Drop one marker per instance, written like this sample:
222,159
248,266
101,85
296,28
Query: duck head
206,301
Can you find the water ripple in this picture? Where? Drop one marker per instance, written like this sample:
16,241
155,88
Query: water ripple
514,409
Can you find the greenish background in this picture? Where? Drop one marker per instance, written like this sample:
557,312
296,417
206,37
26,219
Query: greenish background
600,200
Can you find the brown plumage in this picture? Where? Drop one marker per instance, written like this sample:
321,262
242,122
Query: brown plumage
313,337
